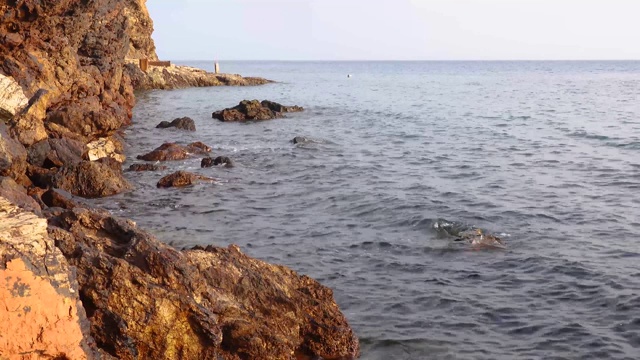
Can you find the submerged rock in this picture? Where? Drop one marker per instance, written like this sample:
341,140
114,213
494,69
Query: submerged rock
184,123
173,151
254,110
180,179
146,167
147,300
220,160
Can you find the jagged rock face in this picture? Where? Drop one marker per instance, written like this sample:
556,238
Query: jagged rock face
47,319
92,179
13,156
141,45
146,300
75,50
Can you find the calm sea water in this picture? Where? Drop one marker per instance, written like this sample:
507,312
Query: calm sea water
545,154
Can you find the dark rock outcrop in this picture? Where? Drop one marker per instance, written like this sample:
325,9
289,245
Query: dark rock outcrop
147,300
146,167
254,110
184,123
173,151
220,160
180,179
55,153
92,179
300,140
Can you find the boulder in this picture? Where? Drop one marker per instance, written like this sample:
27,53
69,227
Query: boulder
180,179
55,153
300,140
41,315
173,151
146,167
103,148
12,98
184,123
220,160
92,179
17,195
148,300
254,110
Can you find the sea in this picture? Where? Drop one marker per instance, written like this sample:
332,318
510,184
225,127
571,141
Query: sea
402,158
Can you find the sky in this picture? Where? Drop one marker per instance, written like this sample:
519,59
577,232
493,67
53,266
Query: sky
396,29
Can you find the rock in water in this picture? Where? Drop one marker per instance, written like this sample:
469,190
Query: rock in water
220,160
150,301
146,167
184,123
254,110
180,179
172,151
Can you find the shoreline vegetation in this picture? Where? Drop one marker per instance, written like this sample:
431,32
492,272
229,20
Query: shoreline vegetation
83,284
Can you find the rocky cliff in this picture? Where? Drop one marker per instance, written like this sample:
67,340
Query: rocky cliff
66,89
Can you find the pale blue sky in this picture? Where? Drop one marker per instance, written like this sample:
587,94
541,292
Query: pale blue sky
396,29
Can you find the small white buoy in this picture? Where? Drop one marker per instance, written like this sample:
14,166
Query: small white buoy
349,75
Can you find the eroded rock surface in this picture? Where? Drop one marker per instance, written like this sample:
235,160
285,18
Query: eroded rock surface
180,179
41,315
92,179
147,300
254,110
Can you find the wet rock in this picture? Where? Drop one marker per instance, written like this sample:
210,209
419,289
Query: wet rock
13,156
207,303
12,99
180,179
54,153
254,110
300,140
220,160
41,316
173,151
184,123
92,179
104,148
146,167
17,195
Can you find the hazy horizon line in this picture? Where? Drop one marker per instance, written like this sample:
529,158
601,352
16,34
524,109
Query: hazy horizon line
425,60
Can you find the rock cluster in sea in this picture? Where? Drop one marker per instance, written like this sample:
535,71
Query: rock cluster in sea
254,110
86,284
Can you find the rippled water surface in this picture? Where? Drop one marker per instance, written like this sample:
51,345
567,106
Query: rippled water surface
544,154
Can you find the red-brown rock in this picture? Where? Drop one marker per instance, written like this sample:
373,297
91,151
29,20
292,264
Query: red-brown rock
173,151
92,179
146,300
146,167
180,179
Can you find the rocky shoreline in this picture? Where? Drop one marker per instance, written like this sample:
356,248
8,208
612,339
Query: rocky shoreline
83,284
